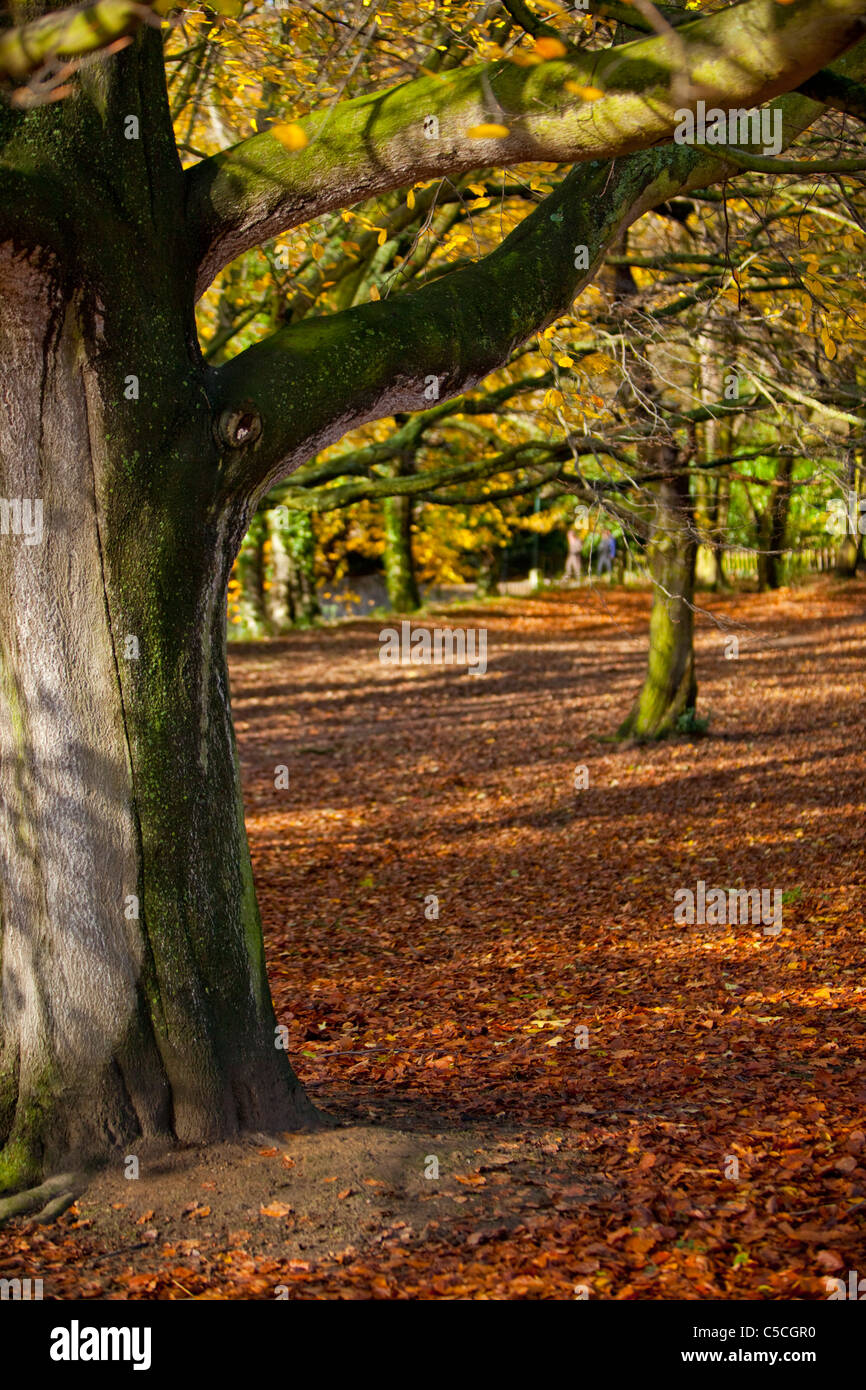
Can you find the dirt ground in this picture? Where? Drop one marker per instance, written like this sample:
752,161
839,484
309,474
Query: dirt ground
616,1106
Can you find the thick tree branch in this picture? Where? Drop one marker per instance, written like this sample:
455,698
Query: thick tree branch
837,92
311,383
526,455
624,12
529,21
759,164
744,56
308,384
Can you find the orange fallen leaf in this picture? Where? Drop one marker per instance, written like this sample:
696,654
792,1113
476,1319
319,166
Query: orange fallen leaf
276,1209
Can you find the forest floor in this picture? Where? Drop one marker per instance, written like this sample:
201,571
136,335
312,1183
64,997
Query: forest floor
617,1105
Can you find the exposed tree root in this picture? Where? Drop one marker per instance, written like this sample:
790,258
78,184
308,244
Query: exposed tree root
50,1198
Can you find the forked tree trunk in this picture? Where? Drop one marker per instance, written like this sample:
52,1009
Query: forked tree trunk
670,688
134,1002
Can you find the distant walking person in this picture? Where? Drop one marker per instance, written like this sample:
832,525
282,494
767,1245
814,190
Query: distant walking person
573,563
606,553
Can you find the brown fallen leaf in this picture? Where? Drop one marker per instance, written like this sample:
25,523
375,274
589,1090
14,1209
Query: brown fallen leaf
829,1259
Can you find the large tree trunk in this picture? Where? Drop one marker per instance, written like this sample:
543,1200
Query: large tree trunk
134,1002
670,688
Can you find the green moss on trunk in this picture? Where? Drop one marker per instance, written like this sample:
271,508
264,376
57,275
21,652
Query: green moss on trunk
670,690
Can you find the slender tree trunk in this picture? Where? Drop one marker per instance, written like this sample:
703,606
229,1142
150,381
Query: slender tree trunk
774,526
723,501
299,538
252,605
279,601
400,578
670,688
487,584
848,554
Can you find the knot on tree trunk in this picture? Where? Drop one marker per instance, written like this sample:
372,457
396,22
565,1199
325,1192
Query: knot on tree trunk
240,427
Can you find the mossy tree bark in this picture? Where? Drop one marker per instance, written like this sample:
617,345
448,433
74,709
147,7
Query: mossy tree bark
134,1001
399,557
400,578
670,688
299,538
